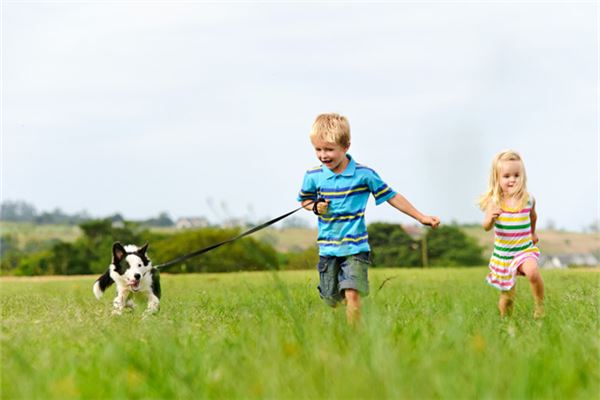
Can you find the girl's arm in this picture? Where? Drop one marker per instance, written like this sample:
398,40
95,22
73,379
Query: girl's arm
533,217
491,215
400,203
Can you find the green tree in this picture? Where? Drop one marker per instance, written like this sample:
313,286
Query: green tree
391,246
91,253
9,253
17,211
449,246
246,254
302,259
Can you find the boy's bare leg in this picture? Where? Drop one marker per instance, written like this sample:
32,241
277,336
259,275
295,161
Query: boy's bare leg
352,306
532,272
507,302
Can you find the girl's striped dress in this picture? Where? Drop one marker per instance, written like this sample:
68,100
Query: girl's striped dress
513,244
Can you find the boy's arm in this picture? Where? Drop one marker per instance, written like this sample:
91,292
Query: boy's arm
307,204
308,192
400,203
322,207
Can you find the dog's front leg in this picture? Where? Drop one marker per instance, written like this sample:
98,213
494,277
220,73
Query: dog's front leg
153,304
119,302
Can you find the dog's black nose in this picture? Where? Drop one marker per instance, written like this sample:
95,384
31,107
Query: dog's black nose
137,276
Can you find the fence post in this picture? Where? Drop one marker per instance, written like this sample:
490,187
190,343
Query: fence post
424,258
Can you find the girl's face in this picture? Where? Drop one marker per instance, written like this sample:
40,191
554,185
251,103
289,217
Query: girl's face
331,155
510,176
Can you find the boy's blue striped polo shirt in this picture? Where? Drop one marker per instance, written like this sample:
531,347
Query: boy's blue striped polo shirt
343,231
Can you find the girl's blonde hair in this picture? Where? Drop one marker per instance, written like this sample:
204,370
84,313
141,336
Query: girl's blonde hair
333,128
494,193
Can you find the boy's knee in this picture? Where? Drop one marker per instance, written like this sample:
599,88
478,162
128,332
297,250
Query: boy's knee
351,294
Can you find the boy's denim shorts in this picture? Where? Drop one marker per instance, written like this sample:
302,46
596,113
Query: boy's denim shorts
339,273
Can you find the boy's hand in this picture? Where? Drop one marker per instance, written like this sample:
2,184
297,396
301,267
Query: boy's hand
431,221
322,207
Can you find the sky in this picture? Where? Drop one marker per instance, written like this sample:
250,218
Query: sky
204,108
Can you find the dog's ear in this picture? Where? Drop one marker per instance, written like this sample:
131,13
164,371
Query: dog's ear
118,252
144,249
141,252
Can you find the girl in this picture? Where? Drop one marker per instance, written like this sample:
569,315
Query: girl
510,210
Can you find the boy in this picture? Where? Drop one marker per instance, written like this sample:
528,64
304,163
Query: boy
338,191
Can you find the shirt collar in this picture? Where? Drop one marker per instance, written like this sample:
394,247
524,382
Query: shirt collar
349,171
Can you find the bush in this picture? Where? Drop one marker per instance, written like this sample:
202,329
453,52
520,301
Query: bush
391,246
246,254
91,253
449,246
305,259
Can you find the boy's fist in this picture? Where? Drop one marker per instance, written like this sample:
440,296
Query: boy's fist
431,221
322,207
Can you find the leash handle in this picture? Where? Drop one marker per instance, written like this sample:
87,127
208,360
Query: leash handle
315,207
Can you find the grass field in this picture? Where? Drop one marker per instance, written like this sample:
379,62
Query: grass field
426,334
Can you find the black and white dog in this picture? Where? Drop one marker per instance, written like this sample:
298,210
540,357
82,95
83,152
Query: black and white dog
132,272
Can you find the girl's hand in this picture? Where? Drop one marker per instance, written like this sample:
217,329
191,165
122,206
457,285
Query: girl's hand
431,221
494,213
491,215
534,238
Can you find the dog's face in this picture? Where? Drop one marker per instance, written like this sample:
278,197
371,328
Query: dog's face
132,264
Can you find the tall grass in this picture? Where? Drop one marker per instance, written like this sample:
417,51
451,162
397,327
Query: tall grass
425,334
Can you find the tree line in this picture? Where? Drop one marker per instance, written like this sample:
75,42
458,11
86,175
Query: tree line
22,211
91,252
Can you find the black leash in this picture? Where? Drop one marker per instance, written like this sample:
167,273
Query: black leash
241,235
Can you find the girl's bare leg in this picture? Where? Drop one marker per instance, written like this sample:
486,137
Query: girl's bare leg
532,272
507,302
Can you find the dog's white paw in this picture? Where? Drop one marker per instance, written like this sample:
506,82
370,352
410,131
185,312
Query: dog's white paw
147,314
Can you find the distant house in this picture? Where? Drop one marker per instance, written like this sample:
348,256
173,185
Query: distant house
568,260
118,224
191,222
234,223
414,231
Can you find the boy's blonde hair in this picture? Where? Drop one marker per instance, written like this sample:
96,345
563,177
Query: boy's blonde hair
494,192
333,128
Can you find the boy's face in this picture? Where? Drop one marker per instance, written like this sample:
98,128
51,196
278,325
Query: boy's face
331,155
